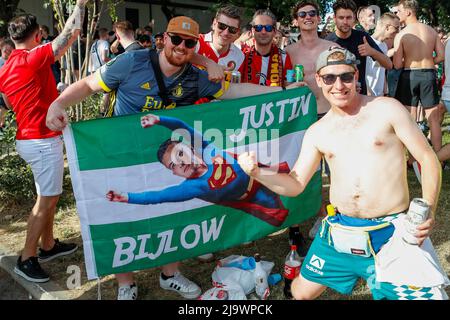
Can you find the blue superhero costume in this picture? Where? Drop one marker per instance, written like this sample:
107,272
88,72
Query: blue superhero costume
224,183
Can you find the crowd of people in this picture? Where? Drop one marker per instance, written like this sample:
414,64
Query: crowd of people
370,62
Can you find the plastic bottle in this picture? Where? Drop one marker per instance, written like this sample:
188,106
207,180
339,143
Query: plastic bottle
261,285
291,270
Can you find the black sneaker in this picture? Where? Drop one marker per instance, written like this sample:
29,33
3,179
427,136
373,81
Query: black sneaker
59,249
31,270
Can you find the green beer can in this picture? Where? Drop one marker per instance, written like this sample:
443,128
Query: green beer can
298,73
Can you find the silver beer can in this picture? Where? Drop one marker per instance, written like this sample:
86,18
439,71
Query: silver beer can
418,212
233,76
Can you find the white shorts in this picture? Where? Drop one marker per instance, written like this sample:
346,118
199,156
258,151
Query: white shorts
45,156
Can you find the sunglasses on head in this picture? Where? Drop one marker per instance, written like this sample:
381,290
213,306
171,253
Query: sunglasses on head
260,27
330,79
222,26
311,13
177,40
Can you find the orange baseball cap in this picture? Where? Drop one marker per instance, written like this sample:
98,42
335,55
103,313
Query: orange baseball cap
183,25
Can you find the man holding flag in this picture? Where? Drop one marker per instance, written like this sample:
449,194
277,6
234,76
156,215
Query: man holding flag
132,79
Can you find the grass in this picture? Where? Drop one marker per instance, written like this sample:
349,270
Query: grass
13,220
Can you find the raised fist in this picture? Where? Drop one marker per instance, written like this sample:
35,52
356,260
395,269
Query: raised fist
149,120
248,163
116,196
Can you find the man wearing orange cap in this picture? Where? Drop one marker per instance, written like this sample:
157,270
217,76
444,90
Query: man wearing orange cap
132,79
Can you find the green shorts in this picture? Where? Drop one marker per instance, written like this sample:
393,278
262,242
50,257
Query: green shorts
340,271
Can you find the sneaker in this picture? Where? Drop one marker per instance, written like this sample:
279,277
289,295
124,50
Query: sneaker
127,292
59,249
178,283
31,270
315,228
207,257
417,171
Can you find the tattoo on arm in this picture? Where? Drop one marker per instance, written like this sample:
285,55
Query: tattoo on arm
62,42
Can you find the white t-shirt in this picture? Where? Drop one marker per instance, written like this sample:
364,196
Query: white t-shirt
98,47
446,87
375,73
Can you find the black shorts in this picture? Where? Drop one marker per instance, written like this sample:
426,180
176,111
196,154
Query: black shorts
418,85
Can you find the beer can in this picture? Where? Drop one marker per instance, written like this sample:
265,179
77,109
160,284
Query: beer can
418,212
299,72
233,76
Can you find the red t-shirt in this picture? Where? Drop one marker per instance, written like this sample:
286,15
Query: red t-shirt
28,82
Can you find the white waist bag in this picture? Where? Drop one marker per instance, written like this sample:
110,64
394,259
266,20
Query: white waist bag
352,240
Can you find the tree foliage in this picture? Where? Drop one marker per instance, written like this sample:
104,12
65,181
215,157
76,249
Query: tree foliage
8,9
433,12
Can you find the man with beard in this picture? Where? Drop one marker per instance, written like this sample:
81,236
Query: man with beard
132,79
358,42
265,64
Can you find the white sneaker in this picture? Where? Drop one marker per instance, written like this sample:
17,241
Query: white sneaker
178,283
313,231
207,257
127,292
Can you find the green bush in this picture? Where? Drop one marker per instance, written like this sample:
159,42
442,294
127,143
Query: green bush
8,137
16,180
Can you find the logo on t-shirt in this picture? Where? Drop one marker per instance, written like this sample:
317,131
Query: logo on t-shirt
177,91
231,65
146,86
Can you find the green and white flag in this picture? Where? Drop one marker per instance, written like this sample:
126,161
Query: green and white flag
172,218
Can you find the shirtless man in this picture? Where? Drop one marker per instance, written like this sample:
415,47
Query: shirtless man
304,52
414,47
309,46
363,139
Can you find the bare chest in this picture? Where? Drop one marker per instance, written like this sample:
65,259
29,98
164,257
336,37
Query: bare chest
355,140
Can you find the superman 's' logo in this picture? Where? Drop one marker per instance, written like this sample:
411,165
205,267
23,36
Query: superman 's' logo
222,174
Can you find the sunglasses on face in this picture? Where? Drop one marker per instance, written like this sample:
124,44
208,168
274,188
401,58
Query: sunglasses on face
223,27
330,79
260,27
177,40
311,13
